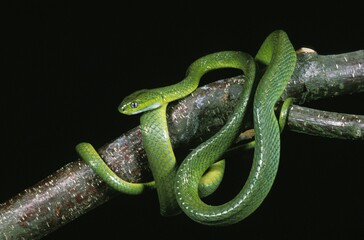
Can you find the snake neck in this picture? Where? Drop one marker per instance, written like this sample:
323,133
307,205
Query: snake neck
179,90
161,158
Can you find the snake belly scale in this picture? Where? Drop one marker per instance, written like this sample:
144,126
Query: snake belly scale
180,187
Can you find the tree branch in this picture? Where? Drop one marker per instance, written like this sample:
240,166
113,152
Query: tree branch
74,189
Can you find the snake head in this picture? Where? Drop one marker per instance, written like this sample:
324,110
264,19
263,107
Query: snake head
140,101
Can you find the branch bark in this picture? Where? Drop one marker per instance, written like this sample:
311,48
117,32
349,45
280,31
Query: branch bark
74,189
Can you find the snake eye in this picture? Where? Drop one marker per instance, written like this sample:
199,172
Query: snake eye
133,105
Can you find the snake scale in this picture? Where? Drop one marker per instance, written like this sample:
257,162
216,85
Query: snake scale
200,173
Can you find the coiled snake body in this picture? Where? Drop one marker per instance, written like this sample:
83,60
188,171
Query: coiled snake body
182,187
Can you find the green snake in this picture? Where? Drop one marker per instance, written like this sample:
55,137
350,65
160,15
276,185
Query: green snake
183,187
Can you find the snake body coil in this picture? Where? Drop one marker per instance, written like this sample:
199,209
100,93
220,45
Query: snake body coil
279,56
180,187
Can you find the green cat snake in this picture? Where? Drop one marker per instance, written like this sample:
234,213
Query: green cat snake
200,173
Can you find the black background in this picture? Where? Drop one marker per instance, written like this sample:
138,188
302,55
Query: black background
68,66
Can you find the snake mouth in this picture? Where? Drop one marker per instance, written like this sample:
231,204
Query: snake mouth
123,109
136,112
149,108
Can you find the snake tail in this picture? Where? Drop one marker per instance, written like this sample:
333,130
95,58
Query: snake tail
87,152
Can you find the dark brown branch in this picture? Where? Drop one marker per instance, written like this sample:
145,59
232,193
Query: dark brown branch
326,124
74,189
